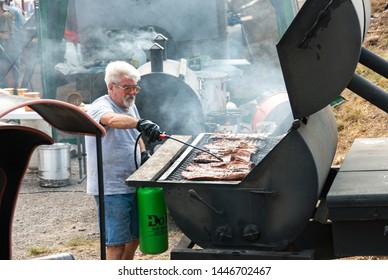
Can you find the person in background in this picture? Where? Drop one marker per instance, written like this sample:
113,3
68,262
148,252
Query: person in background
117,112
6,42
20,20
18,42
6,23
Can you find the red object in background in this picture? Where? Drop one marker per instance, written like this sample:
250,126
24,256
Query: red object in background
71,28
71,36
268,109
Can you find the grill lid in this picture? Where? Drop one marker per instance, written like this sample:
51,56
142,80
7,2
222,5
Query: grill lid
320,51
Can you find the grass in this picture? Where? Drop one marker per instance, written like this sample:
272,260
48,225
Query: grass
78,241
358,118
77,244
38,250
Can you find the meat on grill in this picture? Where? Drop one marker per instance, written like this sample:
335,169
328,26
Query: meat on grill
207,158
236,136
225,143
233,170
216,176
225,146
235,151
221,167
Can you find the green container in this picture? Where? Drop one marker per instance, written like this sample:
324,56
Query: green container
152,220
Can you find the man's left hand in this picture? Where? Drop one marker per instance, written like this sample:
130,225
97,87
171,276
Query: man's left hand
145,156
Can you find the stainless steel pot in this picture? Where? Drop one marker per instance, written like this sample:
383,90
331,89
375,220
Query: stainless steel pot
54,165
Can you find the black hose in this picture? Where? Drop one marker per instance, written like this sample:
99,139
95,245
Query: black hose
195,147
135,153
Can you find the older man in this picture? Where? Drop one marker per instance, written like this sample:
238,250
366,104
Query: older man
118,113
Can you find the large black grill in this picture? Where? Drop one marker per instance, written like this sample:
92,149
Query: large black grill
281,204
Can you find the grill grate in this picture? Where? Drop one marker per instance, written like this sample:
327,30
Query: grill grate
265,146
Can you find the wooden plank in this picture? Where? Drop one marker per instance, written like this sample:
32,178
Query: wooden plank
160,160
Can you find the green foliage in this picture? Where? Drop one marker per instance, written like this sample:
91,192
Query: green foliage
78,241
37,251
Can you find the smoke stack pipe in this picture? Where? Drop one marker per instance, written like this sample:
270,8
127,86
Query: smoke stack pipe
156,53
162,40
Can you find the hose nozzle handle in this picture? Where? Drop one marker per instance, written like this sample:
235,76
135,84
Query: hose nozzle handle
163,135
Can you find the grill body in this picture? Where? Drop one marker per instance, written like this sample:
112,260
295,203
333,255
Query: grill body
270,206
273,206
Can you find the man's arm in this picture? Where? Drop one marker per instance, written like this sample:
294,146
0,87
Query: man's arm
151,130
119,121
142,146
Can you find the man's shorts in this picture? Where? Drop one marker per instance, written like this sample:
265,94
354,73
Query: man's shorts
121,218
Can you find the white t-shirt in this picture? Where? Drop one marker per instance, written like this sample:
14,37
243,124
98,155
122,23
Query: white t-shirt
117,150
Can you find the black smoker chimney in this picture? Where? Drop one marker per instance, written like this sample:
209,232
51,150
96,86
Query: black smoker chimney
162,40
156,53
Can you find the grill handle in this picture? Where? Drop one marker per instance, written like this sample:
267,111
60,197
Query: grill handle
193,194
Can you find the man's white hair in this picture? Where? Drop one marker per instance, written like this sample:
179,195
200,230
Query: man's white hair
114,70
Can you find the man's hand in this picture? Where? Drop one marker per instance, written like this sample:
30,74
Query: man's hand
151,130
145,156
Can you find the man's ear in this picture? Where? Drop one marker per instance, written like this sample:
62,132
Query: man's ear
110,86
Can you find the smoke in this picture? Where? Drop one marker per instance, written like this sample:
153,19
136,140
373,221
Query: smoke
108,45
236,37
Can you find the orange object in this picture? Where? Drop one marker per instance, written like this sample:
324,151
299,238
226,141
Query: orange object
31,95
22,91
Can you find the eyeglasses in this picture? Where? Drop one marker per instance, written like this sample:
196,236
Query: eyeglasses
129,89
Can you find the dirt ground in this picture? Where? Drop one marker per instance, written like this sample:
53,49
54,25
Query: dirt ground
49,218
54,220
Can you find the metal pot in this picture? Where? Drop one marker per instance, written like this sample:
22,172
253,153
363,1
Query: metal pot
212,90
54,165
